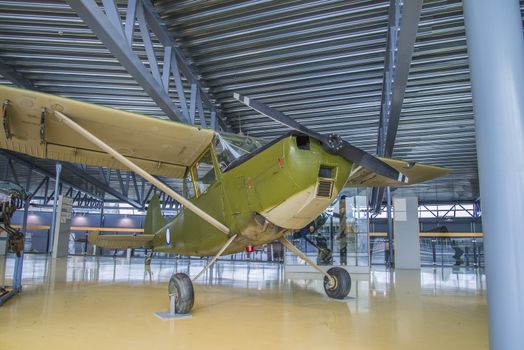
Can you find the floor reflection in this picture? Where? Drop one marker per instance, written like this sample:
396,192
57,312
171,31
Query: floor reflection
240,303
40,269
446,280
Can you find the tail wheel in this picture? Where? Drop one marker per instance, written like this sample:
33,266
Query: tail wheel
181,287
339,285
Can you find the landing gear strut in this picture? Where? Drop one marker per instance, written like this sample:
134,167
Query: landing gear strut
181,286
337,282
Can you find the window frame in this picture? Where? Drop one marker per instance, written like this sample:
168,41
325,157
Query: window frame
192,170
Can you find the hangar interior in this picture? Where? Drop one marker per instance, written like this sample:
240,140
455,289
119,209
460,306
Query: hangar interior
393,78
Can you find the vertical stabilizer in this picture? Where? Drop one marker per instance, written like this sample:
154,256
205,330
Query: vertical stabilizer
154,219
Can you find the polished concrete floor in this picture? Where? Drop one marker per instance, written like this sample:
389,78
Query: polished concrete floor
102,303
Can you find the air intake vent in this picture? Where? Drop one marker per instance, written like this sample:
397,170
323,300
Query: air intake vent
324,189
325,172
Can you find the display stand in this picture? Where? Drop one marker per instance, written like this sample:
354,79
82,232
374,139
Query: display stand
171,314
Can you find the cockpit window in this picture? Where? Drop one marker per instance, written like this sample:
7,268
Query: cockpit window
203,173
229,147
189,189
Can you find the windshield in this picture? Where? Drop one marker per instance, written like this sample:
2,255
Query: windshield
203,173
229,147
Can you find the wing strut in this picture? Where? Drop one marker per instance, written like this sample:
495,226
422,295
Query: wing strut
303,256
215,257
138,170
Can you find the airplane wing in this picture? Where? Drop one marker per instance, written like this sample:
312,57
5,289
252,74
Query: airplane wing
361,177
160,147
120,241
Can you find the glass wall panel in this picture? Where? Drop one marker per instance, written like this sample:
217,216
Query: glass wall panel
341,238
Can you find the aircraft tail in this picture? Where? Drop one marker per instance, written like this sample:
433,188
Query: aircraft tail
154,218
154,222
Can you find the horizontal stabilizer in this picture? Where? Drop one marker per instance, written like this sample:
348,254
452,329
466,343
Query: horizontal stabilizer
362,177
120,241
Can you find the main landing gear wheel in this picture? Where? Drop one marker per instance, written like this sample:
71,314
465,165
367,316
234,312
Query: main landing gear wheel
181,286
339,285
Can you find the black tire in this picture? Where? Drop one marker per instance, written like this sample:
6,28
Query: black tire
342,285
181,286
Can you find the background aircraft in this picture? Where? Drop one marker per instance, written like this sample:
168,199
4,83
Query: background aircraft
239,192
12,197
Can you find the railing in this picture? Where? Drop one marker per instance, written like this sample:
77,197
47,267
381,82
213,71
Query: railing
461,249
436,248
355,248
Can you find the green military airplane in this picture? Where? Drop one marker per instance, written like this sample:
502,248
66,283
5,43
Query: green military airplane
239,191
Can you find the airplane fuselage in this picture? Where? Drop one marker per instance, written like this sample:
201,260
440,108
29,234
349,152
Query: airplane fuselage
282,187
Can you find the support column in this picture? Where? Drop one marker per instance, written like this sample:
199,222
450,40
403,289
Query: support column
55,204
19,261
406,227
62,227
496,58
3,257
96,250
390,251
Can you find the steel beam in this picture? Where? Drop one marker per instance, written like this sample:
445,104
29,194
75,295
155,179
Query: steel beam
101,185
38,187
146,197
14,77
117,43
42,171
13,171
164,35
496,60
135,185
402,24
55,208
129,28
